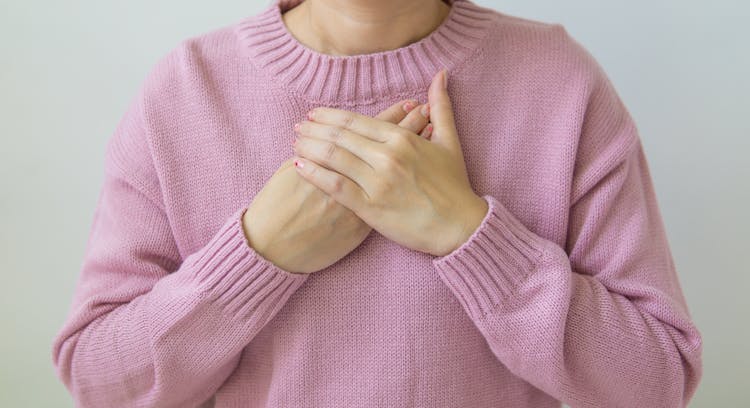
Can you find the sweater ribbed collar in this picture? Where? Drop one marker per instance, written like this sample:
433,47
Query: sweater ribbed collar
364,78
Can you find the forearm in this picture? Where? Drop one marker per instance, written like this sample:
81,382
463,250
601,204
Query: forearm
599,331
570,336
175,343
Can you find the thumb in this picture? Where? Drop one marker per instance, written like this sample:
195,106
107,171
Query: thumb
441,112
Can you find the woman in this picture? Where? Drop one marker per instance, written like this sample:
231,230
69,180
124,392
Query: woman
484,235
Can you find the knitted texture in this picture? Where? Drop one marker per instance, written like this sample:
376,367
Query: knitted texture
567,291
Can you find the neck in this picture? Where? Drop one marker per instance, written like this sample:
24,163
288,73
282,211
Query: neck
353,27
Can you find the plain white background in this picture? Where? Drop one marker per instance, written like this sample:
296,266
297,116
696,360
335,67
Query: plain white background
70,68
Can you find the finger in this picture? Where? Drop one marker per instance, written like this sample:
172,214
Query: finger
397,112
417,118
339,187
369,127
441,112
362,147
426,133
336,158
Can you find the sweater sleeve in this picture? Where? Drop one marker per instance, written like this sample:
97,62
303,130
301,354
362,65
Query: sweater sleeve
602,322
147,328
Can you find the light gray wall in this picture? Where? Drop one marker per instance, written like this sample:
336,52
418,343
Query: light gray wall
69,69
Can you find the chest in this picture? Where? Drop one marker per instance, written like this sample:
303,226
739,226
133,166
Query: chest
226,151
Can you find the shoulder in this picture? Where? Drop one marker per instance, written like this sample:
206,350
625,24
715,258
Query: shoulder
542,60
544,63
175,89
537,49
191,64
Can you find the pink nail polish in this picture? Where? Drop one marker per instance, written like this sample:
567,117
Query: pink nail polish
408,106
299,164
428,131
296,127
310,115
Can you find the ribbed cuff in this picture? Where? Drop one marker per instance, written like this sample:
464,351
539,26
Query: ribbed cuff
250,288
495,259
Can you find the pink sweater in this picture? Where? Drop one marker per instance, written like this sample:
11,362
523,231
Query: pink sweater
567,291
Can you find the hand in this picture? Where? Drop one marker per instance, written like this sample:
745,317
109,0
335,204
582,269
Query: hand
414,191
301,229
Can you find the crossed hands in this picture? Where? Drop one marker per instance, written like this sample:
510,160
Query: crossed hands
371,173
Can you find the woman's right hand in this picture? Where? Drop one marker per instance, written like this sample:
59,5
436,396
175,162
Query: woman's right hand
297,227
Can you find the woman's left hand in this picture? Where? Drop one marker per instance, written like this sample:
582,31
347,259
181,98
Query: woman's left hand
412,190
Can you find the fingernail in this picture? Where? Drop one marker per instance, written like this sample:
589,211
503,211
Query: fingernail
299,164
428,131
408,106
310,115
296,127
445,78
425,110
294,142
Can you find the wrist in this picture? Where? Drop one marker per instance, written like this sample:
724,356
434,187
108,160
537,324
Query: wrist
470,219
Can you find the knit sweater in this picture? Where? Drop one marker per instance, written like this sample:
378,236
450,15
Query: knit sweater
567,290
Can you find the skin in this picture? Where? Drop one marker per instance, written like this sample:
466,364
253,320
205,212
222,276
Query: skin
351,27
413,191
301,229
400,173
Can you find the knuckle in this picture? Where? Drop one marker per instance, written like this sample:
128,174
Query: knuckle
402,139
330,150
398,134
335,133
337,185
349,121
